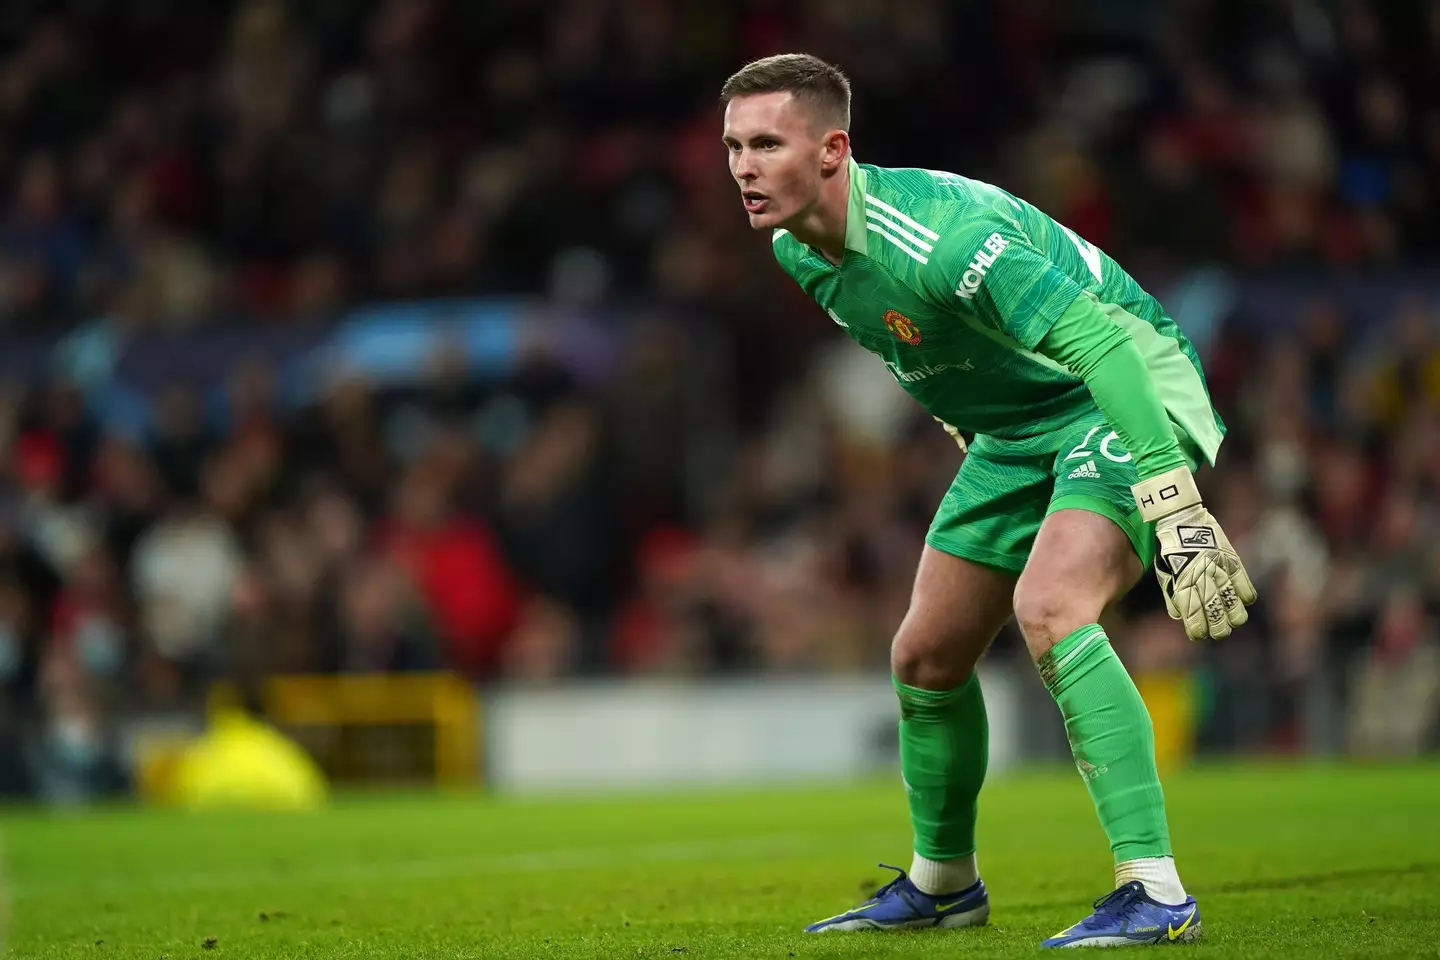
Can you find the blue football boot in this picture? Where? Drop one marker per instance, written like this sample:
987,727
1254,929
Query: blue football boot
1129,918
900,905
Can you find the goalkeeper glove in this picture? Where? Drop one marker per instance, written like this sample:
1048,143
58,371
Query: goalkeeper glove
1201,575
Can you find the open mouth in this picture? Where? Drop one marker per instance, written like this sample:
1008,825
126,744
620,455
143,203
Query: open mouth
754,200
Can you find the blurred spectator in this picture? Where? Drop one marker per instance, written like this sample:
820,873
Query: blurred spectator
184,567
180,445
545,642
75,757
383,626
1409,378
554,515
90,620
455,563
1397,687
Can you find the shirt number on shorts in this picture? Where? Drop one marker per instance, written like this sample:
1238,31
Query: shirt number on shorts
1083,449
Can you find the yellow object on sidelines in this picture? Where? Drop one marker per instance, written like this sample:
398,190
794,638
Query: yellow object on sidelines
1172,698
240,762
440,711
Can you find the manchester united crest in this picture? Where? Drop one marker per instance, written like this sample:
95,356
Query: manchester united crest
902,327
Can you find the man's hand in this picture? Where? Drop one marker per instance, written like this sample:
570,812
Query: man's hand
1201,575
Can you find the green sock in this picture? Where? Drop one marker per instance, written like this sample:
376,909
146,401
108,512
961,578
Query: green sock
1111,739
944,750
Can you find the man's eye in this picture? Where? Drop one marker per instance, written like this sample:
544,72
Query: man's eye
768,144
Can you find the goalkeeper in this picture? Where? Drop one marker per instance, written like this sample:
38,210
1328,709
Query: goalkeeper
1089,413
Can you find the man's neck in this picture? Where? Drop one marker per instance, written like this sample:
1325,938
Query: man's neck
823,225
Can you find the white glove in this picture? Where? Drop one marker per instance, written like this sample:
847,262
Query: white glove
1201,575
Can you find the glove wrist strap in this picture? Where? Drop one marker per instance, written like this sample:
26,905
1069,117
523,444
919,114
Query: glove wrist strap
1166,493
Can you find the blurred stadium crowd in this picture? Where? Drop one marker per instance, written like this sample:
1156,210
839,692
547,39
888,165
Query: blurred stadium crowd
736,490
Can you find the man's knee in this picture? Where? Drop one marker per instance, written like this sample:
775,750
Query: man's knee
1081,562
929,662
1048,612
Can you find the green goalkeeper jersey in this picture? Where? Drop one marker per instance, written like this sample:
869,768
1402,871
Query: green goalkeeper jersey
960,288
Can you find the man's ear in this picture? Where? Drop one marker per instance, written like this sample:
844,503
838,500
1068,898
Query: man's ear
834,151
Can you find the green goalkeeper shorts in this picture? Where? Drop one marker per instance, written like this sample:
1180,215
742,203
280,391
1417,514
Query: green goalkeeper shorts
1006,488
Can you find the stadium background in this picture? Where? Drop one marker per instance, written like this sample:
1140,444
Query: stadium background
414,336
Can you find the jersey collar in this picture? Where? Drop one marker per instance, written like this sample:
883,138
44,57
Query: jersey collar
855,235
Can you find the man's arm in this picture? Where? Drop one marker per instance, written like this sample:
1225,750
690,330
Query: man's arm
1200,573
1097,350
1031,300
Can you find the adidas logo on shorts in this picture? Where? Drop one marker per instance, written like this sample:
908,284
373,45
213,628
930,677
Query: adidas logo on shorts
1086,469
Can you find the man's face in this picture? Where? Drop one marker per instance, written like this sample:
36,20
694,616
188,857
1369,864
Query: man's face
775,156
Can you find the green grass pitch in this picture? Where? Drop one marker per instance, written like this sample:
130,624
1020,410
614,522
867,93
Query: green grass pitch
1320,862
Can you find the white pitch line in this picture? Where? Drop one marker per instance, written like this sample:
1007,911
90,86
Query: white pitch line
536,861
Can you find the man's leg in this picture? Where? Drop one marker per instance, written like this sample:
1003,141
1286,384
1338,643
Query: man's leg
1081,562
956,608
975,550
